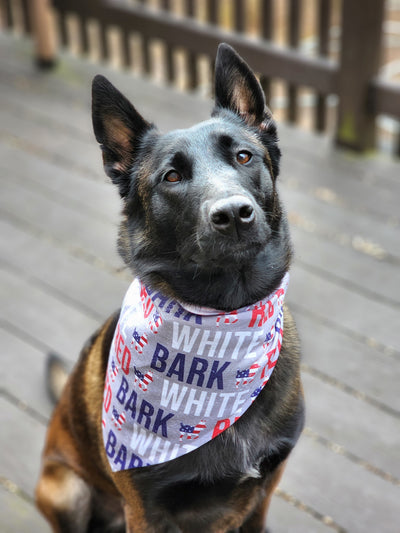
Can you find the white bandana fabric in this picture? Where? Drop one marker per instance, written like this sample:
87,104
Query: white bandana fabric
179,375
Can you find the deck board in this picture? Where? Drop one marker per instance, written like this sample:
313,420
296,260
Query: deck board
72,226
355,498
347,266
21,445
49,179
361,369
337,425
18,515
60,276
70,277
359,315
37,313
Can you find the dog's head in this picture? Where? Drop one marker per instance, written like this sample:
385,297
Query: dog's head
202,219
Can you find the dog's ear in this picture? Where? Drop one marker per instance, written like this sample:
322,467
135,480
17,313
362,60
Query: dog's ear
237,88
118,128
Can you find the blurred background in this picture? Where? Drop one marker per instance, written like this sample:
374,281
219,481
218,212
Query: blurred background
331,73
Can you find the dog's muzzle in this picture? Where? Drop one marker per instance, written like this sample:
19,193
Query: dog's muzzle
233,215
231,232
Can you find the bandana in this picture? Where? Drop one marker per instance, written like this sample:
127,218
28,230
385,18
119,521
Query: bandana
180,375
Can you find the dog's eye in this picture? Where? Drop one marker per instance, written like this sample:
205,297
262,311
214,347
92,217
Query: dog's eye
243,157
172,176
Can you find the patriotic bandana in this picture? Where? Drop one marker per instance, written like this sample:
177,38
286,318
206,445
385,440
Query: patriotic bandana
179,375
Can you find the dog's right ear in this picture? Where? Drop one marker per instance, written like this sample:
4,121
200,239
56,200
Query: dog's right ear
118,128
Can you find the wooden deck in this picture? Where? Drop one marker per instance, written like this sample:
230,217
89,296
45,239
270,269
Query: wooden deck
60,276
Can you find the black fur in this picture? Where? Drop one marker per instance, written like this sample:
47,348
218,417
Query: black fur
177,239
166,237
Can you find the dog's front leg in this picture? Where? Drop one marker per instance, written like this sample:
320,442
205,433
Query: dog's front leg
135,523
255,523
64,498
135,516
135,520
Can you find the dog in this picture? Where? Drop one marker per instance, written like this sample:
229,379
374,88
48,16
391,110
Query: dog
205,235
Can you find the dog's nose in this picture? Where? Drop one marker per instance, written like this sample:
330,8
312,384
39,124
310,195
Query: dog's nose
235,213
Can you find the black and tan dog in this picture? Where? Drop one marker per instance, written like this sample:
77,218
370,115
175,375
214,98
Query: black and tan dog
202,222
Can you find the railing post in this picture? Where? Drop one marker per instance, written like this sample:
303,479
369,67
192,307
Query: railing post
360,56
43,33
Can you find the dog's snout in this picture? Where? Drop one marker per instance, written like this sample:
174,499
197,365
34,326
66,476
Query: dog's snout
235,213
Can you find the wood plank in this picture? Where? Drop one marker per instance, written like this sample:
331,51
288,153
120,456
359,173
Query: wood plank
19,515
352,423
343,183
361,39
64,103
337,223
284,517
21,442
98,198
22,373
43,319
64,147
346,309
74,228
355,498
359,271
379,169
198,38
384,95
363,369
73,280
72,86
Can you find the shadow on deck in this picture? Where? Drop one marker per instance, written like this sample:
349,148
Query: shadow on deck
60,277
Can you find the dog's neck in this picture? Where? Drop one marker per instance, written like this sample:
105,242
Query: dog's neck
179,375
226,290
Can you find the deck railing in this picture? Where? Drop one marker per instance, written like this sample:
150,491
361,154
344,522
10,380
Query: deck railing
334,72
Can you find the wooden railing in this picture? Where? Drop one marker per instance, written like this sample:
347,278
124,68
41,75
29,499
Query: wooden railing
180,38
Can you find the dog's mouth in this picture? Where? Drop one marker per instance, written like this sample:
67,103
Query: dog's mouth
216,253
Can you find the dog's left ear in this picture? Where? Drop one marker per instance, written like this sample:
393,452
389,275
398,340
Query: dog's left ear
237,89
118,128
